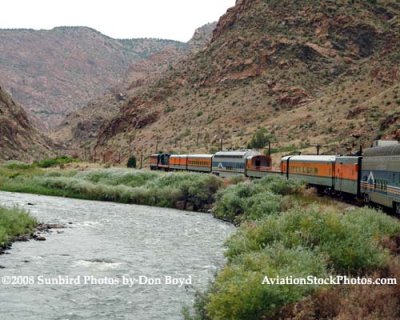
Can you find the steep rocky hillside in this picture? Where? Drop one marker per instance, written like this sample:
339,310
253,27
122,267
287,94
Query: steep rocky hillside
310,72
79,128
19,140
202,36
54,72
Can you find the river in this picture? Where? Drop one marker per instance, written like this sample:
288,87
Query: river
111,261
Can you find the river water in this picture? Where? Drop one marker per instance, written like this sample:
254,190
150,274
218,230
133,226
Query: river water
112,261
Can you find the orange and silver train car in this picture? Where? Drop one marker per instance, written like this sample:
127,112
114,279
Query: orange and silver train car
315,170
258,165
348,175
374,177
178,162
199,162
339,174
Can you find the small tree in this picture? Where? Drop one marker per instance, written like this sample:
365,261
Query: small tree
131,162
260,139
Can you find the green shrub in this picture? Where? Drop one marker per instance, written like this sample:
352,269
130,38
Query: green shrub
260,139
14,165
199,307
116,176
239,293
197,189
279,185
14,222
128,186
131,162
305,241
253,200
235,179
47,163
349,242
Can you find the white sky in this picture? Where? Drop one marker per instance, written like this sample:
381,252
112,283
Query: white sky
168,19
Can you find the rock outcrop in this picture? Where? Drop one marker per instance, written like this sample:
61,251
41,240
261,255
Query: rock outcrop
19,140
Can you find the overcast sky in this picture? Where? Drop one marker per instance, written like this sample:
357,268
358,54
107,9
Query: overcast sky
169,19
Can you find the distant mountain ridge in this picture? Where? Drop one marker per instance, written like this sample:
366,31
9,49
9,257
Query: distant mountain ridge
54,72
79,128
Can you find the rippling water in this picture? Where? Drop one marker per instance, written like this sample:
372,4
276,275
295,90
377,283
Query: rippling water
103,245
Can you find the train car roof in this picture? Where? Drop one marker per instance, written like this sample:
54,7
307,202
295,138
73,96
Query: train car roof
256,155
237,154
178,155
312,158
200,156
393,150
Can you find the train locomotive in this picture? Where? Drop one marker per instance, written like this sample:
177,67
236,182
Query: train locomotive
373,177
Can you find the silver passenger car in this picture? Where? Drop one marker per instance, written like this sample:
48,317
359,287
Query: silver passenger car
380,176
230,163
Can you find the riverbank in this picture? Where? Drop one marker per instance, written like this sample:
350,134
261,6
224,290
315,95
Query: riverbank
287,231
15,224
108,240
284,230
183,190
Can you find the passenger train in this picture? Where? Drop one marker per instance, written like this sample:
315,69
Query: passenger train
373,177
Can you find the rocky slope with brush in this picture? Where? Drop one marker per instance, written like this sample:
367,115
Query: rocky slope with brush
19,140
79,129
310,72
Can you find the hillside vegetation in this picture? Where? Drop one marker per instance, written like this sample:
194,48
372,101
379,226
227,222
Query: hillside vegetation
309,72
287,232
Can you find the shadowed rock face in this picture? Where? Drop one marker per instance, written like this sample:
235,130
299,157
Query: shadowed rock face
19,140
